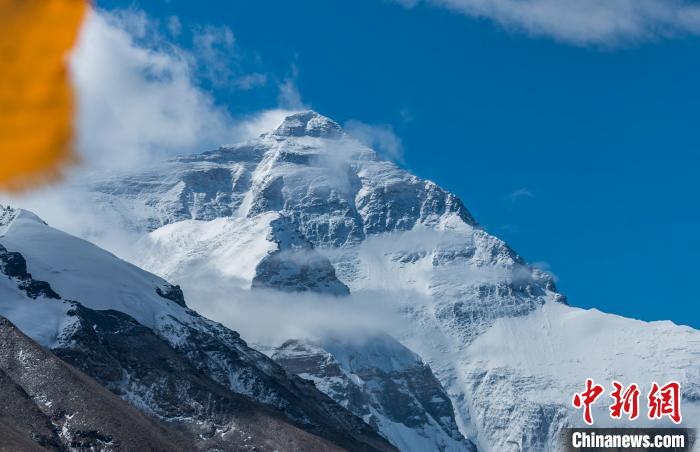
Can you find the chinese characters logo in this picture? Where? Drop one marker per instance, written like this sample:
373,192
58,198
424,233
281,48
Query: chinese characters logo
662,401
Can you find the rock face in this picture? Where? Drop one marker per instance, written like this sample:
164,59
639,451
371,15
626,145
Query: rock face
46,404
383,382
295,266
137,365
131,332
497,334
14,266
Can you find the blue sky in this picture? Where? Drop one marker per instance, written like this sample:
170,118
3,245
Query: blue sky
578,145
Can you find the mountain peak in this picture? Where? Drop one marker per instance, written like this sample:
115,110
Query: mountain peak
308,123
7,214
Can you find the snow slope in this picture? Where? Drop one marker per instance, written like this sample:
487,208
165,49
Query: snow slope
132,332
495,331
76,269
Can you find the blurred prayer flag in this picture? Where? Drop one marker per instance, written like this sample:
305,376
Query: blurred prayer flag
36,97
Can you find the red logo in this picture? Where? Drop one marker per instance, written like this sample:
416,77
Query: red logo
624,401
588,398
662,401
665,401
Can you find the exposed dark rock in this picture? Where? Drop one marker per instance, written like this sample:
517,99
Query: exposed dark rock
172,293
13,265
308,123
23,425
296,266
185,388
45,404
381,381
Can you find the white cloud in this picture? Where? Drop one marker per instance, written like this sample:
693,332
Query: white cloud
267,317
584,22
215,49
136,102
211,40
250,81
546,268
289,95
521,193
133,21
380,137
174,26
253,125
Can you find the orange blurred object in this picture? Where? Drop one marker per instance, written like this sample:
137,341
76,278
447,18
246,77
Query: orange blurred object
36,97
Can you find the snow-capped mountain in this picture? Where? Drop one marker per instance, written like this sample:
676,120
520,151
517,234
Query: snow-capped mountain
306,208
132,332
383,382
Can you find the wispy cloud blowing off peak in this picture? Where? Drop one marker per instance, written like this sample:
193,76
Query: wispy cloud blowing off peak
136,100
381,137
584,22
140,95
